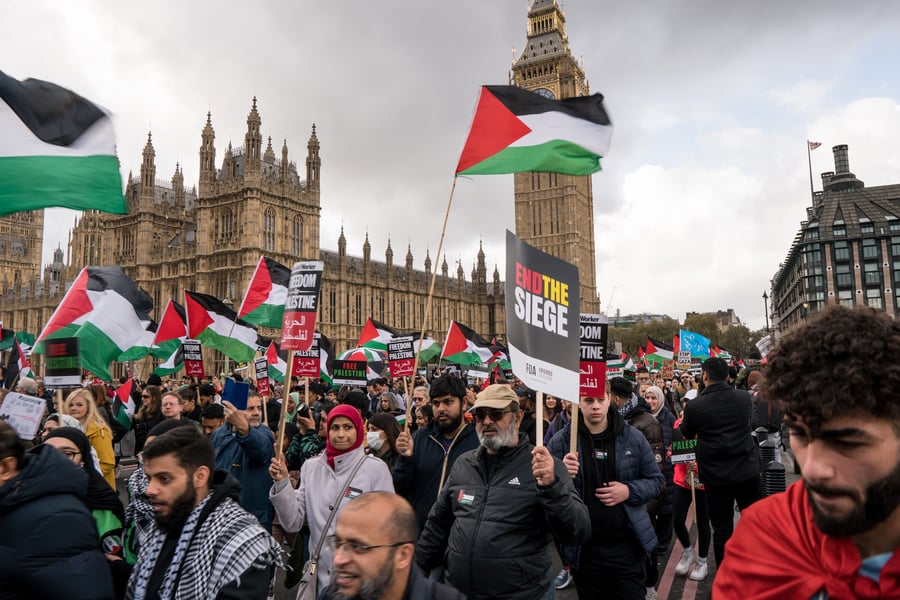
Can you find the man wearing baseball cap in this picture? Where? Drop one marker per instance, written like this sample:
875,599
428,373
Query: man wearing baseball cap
502,505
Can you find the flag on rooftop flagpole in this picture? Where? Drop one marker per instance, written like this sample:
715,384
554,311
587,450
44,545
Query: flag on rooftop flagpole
216,325
56,149
515,130
376,335
263,302
465,347
813,145
106,311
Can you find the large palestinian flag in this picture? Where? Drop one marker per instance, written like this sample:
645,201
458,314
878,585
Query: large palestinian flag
376,335
465,347
264,300
515,130
106,311
430,349
56,149
216,325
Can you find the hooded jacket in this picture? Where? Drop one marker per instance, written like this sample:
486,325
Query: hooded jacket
49,546
494,529
419,477
636,467
248,457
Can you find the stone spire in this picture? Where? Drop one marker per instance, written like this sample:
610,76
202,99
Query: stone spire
313,162
148,170
252,141
207,154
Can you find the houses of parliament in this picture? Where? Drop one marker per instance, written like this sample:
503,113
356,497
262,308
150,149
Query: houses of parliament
254,201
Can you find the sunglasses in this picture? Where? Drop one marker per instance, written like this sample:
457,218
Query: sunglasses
495,414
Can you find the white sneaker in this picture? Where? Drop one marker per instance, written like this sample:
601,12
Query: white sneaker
685,562
651,594
701,570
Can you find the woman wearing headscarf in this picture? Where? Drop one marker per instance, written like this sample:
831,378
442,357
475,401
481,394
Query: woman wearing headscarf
80,404
322,477
101,500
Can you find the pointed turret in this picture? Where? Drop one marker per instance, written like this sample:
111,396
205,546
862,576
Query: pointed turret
389,254
269,156
178,184
367,249
285,165
148,170
409,257
342,243
444,267
207,154
228,164
427,261
252,142
313,162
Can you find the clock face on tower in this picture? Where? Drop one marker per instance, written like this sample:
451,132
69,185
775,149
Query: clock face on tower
545,93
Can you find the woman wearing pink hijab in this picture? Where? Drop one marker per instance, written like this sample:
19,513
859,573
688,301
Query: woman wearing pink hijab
322,477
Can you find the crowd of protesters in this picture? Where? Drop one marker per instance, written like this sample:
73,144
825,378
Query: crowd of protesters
440,490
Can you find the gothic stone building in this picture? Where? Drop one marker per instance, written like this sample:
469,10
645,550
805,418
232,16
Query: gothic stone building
209,238
846,252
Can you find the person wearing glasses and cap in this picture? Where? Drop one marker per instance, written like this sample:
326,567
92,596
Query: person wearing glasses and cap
502,505
376,562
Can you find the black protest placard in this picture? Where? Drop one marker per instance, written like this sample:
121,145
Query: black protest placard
261,364
62,364
306,363
594,330
349,372
542,312
683,450
401,356
299,323
193,358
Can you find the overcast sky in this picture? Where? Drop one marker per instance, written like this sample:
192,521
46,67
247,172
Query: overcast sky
706,180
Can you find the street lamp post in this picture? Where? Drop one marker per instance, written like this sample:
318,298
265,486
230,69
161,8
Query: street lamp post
765,297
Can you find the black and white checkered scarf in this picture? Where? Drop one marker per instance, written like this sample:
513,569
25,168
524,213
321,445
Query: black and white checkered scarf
226,543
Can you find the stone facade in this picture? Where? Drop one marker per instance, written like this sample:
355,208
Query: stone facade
555,212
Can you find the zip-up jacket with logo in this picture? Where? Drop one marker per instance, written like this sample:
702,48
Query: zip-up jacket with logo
419,477
494,531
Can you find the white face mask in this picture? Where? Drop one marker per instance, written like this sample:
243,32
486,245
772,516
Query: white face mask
374,439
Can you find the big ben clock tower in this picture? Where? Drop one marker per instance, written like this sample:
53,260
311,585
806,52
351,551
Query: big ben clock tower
555,212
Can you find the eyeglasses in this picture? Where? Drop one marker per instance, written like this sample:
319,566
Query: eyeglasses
70,454
355,548
495,414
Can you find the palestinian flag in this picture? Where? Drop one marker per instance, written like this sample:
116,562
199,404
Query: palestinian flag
266,294
106,311
142,346
7,339
276,359
430,348
326,358
515,130
17,366
627,363
377,335
676,345
216,325
657,351
170,335
56,149
719,352
641,357
465,347
123,407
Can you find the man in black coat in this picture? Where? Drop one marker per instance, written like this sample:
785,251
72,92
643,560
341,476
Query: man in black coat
49,547
727,456
501,507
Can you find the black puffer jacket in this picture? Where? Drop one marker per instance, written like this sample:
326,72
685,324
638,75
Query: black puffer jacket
419,477
49,546
495,531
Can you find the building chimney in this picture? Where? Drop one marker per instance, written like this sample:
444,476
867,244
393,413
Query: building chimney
841,159
841,179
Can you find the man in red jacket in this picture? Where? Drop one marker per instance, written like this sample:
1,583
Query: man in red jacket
835,534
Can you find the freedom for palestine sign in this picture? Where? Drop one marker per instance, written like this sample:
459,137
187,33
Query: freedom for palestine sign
542,319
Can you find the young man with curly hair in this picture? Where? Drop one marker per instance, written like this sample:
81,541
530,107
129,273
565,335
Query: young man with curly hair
834,534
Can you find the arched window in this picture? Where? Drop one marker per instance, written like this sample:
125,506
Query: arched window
269,230
297,237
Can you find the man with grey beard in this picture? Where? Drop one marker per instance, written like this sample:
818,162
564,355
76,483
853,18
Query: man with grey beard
502,506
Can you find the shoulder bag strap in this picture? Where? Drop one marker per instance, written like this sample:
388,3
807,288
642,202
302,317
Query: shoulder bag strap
315,556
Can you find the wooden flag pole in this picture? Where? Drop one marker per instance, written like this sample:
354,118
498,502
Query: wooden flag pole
539,420
693,495
408,403
573,426
283,421
428,302
306,392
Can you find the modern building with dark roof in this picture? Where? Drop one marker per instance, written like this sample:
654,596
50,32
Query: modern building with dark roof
847,251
